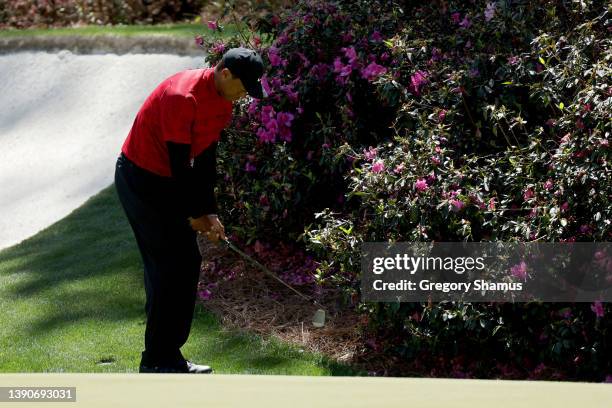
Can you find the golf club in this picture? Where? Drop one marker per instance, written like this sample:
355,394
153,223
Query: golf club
318,319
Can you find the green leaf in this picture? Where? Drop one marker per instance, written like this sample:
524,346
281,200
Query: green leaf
347,231
561,105
541,61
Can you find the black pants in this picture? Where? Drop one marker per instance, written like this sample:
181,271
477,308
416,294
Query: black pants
170,255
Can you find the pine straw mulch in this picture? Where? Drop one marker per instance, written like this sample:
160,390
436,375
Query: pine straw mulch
255,302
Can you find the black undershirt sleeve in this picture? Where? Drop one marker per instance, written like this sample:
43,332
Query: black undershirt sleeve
195,185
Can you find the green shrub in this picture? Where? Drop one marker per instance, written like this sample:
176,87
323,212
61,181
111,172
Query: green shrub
445,121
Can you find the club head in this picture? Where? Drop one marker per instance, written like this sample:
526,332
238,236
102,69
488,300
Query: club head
318,319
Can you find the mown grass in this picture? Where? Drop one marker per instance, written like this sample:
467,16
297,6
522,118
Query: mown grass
72,300
179,30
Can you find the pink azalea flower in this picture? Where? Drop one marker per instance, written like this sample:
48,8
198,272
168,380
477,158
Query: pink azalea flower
213,25
284,118
266,85
519,270
350,54
417,81
456,17
597,308
599,255
199,40
399,168
372,71
272,126
456,204
527,194
465,23
370,154
267,114
341,69
421,185
378,167
376,36
442,115
490,11
274,57
205,294
564,206
435,160
548,185
252,109
265,135
565,138
291,94
491,205
218,48
513,60
250,167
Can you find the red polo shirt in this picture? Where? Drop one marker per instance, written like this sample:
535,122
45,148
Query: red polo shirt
184,108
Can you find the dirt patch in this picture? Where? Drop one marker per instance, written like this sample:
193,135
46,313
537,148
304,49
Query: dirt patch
253,301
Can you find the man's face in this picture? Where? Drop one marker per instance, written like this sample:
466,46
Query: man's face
231,88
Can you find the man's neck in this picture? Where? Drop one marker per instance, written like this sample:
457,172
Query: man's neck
216,81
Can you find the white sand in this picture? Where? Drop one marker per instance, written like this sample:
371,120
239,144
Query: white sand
63,119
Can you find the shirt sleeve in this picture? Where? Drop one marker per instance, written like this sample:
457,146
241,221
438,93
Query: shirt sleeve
177,114
205,174
195,186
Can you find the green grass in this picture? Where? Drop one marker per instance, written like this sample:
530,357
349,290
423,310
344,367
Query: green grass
180,30
72,300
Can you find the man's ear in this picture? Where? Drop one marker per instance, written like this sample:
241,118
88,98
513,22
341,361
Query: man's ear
227,74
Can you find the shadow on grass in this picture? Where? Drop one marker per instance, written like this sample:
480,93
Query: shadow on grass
86,268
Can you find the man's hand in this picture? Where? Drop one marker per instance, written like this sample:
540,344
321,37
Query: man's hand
210,226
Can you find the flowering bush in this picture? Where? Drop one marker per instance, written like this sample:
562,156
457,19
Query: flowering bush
446,121
46,13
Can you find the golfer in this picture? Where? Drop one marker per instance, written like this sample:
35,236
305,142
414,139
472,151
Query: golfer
165,178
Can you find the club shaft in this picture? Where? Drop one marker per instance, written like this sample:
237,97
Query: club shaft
269,272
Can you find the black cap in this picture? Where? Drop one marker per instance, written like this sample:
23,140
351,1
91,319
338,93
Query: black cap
247,65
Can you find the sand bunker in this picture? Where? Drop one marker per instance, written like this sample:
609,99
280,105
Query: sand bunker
63,119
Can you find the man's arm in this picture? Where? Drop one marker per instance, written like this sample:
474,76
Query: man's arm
182,173
205,174
196,186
